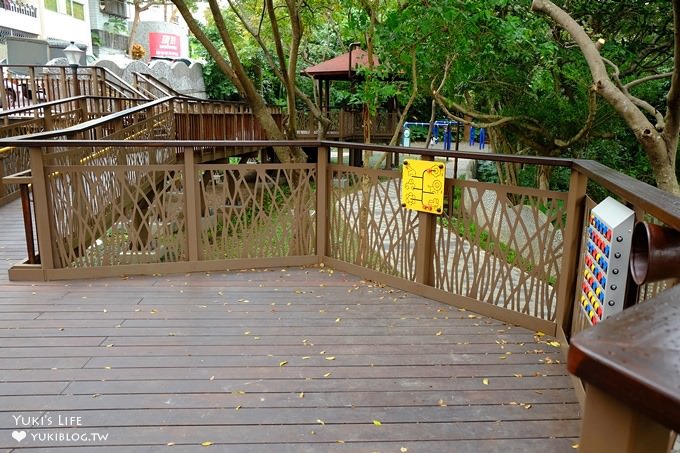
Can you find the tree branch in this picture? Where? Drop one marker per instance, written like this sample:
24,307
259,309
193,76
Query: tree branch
592,110
492,120
197,30
414,93
643,129
641,80
660,148
642,104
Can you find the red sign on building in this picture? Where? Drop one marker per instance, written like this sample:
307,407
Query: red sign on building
163,45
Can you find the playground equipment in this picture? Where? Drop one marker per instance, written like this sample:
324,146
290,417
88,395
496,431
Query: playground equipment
477,133
446,125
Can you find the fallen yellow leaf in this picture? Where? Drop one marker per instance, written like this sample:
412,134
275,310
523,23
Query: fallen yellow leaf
403,449
554,343
439,333
283,363
302,394
238,407
330,357
321,422
377,423
206,443
327,374
539,334
485,381
575,446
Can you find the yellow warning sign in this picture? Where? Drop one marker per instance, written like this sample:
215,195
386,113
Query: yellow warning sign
422,186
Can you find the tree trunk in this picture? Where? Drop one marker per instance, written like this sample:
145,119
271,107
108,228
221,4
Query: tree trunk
237,73
660,145
133,27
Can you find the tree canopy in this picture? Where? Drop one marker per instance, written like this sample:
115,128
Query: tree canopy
571,78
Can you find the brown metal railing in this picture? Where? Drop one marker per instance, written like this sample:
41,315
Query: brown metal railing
103,208
95,117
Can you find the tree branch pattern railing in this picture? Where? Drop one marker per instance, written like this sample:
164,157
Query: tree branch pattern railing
496,248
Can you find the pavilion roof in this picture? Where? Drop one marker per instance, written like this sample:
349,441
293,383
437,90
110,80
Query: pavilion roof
339,68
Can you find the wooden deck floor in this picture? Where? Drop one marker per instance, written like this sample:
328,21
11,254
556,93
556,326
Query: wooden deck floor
278,360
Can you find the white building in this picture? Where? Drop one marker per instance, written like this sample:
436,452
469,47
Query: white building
100,27
55,22
108,19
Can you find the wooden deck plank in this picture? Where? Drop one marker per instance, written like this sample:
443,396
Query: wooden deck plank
395,399
309,415
251,354
168,359
462,446
316,433
12,370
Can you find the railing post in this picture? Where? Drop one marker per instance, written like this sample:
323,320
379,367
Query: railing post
3,187
95,86
625,429
42,210
322,194
62,84
566,285
48,121
4,102
34,89
192,203
28,222
425,245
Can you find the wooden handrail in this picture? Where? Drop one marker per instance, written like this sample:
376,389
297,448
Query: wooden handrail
20,110
632,363
81,127
42,140
643,196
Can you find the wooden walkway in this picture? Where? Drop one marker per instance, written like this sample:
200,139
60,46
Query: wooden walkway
277,360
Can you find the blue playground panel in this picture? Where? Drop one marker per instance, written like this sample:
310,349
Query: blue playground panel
477,134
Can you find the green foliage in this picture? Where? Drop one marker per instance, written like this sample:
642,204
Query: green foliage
504,59
116,25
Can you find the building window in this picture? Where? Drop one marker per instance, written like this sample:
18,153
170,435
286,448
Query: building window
75,9
51,5
114,7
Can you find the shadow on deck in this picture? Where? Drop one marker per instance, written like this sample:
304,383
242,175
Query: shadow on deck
294,359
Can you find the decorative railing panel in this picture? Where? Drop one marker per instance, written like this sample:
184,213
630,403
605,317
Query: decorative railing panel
501,245
368,226
257,211
12,160
113,215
